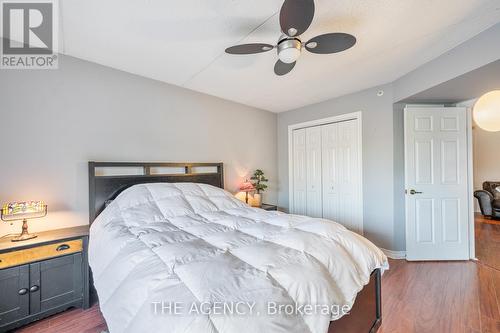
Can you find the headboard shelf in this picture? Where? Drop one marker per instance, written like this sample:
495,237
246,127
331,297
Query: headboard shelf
104,187
158,175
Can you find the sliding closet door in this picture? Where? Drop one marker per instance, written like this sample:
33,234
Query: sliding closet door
340,161
299,172
314,207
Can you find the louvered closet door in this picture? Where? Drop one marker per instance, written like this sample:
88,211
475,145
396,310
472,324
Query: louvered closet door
340,164
299,172
314,207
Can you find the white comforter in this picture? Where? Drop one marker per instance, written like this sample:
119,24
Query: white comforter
192,258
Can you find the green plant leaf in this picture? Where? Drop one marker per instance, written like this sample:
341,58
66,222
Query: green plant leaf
258,178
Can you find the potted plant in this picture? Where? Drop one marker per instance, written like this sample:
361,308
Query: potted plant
258,181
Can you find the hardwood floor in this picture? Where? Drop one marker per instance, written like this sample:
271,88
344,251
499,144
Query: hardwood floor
71,321
488,241
417,297
440,297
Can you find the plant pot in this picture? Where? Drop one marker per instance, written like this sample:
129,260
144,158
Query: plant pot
257,200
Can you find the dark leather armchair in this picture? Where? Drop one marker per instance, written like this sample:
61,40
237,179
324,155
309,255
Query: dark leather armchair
489,199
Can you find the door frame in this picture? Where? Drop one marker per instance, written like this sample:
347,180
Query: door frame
470,184
470,171
324,121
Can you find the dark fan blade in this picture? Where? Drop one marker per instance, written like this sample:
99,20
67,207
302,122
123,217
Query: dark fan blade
296,16
249,48
330,43
282,68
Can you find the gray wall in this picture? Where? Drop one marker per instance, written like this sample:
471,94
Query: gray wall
464,87
53,122
378,194
462,72
474,53
383,145
399,178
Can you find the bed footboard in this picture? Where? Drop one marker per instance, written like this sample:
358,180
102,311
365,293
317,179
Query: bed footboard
366,314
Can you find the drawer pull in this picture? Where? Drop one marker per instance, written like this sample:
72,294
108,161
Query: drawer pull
34,288
62,247
22,291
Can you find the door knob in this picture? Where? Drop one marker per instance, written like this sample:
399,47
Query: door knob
413,192
22,291
34,288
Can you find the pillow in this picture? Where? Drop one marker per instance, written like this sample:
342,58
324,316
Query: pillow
493,188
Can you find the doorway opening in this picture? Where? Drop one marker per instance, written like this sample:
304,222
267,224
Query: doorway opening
483,193
486,165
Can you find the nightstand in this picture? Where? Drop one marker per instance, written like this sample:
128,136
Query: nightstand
269,207
42,276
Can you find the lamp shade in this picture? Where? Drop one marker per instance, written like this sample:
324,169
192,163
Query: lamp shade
487,111
247,187
23,210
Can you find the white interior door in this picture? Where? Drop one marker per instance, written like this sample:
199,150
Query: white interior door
299,172
436,184
314,207
340,161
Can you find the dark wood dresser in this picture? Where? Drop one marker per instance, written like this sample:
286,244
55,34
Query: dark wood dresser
43,276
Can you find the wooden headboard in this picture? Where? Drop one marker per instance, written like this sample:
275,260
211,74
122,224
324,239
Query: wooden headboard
108,179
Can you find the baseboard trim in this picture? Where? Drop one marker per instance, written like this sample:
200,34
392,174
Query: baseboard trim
394,254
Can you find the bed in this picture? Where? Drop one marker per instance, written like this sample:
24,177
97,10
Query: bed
171,251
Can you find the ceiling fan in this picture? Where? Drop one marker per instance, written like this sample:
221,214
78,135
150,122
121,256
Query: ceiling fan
295,18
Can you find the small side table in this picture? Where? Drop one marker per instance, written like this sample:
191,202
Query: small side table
42,276
269,207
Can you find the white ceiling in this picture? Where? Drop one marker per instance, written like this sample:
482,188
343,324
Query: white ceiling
182,42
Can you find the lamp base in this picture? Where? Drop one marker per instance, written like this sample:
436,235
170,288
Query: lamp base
24,237
24,233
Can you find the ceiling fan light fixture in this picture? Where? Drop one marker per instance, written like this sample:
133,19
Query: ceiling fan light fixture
289,50
289,55
295,17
